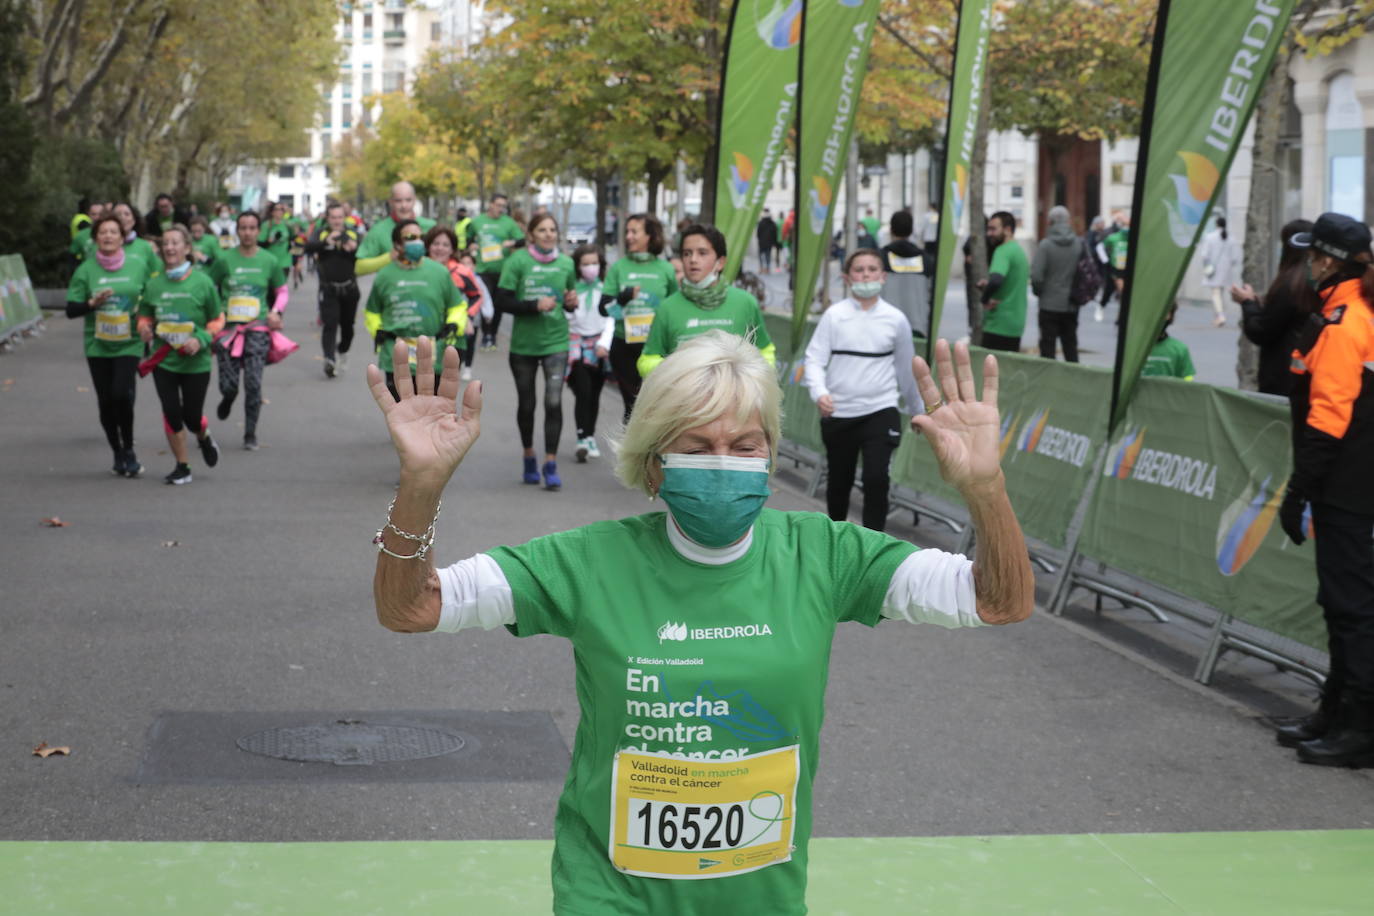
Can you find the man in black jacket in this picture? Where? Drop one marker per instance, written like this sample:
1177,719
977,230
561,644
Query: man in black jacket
335,248
163,216
905,281
767,234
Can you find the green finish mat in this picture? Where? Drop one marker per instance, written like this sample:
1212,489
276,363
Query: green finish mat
1307,872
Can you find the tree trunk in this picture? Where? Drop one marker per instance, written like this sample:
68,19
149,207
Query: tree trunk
710,162
977,268
1260,217
599,181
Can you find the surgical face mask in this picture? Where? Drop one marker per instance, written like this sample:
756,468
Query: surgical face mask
706,282
181,270
866,290
714,498
591,272
414,250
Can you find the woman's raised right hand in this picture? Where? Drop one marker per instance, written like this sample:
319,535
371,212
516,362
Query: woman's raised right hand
430,432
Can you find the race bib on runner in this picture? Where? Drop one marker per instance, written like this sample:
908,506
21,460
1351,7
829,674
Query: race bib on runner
411,344
490,248
673,818
637,326
243,308
176,333
112,326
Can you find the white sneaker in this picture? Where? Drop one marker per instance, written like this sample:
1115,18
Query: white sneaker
1097,316
466,374
592,450
341,363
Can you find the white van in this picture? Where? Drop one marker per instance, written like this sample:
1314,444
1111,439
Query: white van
575,210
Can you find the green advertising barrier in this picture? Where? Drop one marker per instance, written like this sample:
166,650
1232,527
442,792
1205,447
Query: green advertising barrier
1189,499
18,302
801,422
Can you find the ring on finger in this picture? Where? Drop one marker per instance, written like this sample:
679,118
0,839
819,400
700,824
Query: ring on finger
936,406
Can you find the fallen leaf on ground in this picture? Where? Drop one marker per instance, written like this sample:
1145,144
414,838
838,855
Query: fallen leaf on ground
55,522
82,389
44,751
171,543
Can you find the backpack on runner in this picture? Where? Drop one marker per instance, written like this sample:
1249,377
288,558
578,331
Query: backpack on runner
1087,281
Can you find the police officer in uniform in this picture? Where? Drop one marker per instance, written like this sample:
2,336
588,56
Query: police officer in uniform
335,248
1333,454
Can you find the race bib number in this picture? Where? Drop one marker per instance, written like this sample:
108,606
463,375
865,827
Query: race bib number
412,343
637,326
490,249
674,818
112,326
912,265
176,333
243,308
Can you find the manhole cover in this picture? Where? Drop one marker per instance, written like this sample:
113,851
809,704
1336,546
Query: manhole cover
349,743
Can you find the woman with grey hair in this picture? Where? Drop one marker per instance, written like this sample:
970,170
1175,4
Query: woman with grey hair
701,633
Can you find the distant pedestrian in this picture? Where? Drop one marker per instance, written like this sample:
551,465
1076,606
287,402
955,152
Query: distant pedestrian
163,216
1052,273
1005,289
1115,252
930,235
1169,356
767,234
1273,325
1220,266
905,284
872,226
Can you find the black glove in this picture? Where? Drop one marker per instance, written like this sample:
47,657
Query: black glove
1290,515
448,336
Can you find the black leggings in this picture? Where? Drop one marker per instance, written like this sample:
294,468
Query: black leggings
338,312
525,369
490,326
586,382
876,435
256,345
183,398
113,378
623,358
391,383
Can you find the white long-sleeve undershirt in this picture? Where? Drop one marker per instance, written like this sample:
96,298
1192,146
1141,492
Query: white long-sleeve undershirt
930,586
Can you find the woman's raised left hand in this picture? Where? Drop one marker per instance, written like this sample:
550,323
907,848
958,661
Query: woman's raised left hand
963,429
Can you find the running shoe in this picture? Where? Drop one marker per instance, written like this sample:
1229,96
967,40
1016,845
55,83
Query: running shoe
131,466
1097,316
209,450
592,450
250,442
180,474
582,451
341,363
551,478
226,404
329,368
531,471
466,374
120,463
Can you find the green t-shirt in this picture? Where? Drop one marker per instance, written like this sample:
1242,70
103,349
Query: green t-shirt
378,238
80,242
275,238
656,281
1118,247
662,671
872,225
246,284
112,330
543,332
139,248
678,320
209,246
489,234
1009,318
181,309
411,302
1169,357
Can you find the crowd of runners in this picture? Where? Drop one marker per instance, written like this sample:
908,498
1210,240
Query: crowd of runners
178,295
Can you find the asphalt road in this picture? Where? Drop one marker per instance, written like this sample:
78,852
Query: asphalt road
245,597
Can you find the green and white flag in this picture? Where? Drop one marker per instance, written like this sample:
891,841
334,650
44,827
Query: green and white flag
758,102
966,98
836,36
1210,60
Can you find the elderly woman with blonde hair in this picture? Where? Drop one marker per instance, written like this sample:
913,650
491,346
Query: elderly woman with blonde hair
701,633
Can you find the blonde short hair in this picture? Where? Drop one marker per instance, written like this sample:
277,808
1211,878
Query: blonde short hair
705,378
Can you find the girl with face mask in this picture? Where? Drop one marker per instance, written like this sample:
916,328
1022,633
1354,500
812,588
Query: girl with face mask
412,297
636,285
589,342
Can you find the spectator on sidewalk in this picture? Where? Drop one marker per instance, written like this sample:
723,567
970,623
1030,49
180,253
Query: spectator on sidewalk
1169,356
1052,273
1220,266
1004,291
905,283
767,234
1273,325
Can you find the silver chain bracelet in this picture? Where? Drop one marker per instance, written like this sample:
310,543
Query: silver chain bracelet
425,541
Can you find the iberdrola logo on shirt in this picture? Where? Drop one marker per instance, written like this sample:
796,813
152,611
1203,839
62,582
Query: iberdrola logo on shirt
679,632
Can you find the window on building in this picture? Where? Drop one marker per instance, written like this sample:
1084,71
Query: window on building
395,21
367,84
367,116
367,20
1344,148
1018,191
436,32
393,81
347,119
346,90
286,171
326,145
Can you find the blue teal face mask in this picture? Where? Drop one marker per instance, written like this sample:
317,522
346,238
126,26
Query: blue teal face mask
414,250
714,498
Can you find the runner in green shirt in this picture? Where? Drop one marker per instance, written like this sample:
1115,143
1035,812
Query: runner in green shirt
1169,356
180,313
253,286
204,246
703,303
1004,291
537,286
413,296
636,286
702,634
105,291
1118,248
275,237
375,251
494,234
137,247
